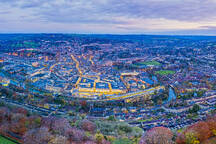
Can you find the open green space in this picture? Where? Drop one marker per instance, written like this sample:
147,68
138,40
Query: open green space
164,72
4,140
30,44
155,63
145,120
26,44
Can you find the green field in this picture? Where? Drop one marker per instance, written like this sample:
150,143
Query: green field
30,44
164,72
5,141
145,120
155,63
26,44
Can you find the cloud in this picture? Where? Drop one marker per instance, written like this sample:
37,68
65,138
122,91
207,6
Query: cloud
183,10
208,27
128,15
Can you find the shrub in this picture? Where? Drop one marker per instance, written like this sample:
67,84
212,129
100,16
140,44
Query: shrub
211,122
99,137
191,138
111,138
136,131
107,128
125,128
111,118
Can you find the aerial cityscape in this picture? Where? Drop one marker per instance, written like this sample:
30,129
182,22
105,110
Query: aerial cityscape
108,72
143,80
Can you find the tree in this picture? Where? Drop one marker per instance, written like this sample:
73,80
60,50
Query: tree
37,136
99,138
180,139
83,103
58,139
21,110
200,93
37,121
47,122
34,121
200,130
210,141
111,118
4,127
17,124
211,122
60,125
191,138
76,135
88,126
4,114
195,108
125,128
137,132
157,135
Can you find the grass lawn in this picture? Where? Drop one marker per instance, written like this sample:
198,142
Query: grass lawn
164,72
122,141
26,44
30,44
5,141
145,120
155,63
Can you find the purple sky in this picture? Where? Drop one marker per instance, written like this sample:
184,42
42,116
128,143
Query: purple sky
193,17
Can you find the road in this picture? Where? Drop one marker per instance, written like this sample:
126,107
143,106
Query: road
135,94
31,108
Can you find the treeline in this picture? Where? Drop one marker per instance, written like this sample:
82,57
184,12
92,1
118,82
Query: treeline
31,128
202,132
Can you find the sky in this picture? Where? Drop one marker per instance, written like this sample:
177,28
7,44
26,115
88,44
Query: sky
174,17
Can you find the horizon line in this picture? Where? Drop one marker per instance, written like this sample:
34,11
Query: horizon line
120,34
